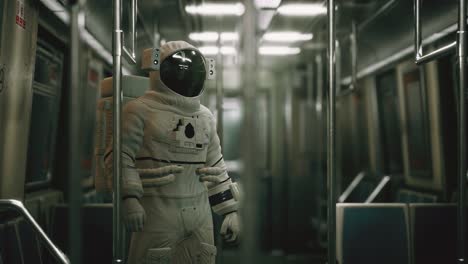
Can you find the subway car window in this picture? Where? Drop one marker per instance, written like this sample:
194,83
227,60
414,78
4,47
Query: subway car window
44,120
419,146
233,131
390,122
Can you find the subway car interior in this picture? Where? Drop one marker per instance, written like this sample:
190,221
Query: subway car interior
244,131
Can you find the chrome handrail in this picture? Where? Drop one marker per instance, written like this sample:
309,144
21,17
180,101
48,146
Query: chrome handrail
421,58
331,132
378,189
117,234
351,187
20,208
130,53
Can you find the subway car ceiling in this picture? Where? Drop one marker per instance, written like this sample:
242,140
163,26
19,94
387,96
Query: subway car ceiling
380,35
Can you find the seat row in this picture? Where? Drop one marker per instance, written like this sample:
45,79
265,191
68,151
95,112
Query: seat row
396,233
18,243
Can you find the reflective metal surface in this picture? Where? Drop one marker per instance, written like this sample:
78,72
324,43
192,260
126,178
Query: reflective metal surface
351,187
462,54
19,207
117,113
74,145
378,189
420,56
250,176
17,57
130,53
331,185
381,64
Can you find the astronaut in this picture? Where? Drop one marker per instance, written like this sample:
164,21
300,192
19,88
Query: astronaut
173,172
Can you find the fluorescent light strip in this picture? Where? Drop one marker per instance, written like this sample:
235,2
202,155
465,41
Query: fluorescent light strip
213,50
204,36
216,9
213,36
267,4
91,41
278,50
287,36
302,9
208,50
229,36
226,50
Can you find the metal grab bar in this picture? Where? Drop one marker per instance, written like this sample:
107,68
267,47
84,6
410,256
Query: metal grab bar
461,210
19,207
460,46
421,58
117,48
351,187
331,165
130,54
378,189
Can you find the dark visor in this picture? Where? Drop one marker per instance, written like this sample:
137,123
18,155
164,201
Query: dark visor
184,72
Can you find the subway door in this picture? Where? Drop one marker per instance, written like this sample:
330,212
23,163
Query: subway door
17,56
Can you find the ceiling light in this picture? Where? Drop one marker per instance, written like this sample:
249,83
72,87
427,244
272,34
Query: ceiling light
213,50
204,36
267,4
225,50
278,50
229,36
213,36
208,50
215,9
302,9
287,36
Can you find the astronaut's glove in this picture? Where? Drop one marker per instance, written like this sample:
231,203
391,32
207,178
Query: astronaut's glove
212,174
159,176
230,229
133,214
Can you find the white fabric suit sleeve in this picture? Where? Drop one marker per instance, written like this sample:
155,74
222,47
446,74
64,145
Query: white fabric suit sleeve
223,193
132,139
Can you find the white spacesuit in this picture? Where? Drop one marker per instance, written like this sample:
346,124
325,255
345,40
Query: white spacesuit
172,166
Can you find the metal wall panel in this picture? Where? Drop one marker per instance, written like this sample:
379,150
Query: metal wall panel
17,57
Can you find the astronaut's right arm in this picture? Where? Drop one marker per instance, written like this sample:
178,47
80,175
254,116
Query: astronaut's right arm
132,139
132,190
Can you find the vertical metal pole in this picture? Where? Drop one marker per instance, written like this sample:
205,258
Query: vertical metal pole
116,154
417,29
220,84
250,177
133,18
219,111
320,138
461,130
331,135
354,51
337,66
310,73
75,100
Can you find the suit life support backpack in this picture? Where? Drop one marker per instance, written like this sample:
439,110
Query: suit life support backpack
132,87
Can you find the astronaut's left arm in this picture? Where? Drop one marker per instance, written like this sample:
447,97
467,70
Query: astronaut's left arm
223,193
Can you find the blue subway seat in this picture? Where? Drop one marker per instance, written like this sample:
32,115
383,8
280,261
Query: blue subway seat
434,232
29,243
96,235
372,233
10,244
